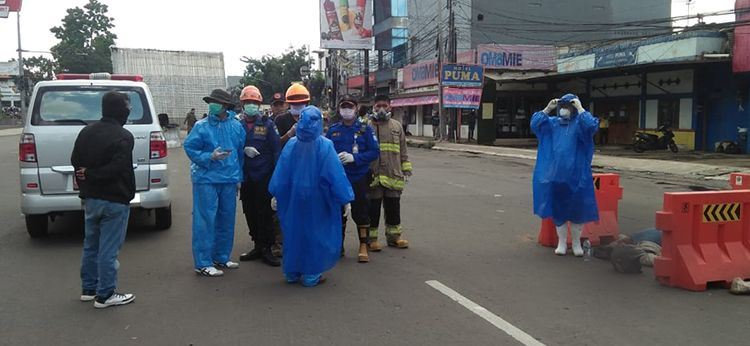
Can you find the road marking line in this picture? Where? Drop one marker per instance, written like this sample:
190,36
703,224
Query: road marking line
488,316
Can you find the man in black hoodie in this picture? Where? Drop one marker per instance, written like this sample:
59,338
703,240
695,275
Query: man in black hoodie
103,160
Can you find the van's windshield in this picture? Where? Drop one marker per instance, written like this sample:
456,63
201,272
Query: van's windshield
81,105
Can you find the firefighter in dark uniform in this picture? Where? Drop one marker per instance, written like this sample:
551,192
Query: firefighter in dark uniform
262,148
357,148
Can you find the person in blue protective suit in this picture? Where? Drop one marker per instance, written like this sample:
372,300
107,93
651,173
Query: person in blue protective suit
310,187
261,151
563,188
215,148
357,147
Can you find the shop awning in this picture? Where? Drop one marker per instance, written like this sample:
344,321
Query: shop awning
415,101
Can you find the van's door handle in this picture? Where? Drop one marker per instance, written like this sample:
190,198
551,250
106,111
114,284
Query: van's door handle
63,169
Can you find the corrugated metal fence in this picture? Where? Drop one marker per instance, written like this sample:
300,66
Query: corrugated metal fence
178,79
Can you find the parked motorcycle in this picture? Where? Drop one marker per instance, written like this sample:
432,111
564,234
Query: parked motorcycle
646,141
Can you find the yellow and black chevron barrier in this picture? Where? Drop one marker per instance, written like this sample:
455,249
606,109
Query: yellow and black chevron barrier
598,183
725,212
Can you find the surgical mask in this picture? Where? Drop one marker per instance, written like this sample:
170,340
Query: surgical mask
251,109
564,113
296,109
215,108
347,113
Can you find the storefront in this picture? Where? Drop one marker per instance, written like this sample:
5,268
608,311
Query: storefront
510,95
644,85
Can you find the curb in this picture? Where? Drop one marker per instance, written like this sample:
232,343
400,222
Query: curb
701,171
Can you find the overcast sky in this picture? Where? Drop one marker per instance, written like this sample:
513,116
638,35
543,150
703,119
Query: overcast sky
235,27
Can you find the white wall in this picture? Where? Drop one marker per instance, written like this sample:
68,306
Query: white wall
604,87
577,63
686,113
684,87
687,48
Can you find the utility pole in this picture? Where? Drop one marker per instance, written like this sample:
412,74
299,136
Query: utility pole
333,56
454,127
366,92
441,130
453,56
21,77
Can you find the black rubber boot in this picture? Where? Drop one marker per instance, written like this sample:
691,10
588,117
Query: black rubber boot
269,258
252,255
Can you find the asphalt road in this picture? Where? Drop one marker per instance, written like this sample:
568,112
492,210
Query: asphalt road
470,225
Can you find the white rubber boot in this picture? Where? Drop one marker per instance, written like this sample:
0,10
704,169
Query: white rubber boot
562,240
575,232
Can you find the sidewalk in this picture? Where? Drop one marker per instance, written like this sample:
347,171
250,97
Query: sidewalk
689,170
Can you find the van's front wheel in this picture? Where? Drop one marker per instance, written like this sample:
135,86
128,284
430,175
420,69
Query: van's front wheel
37,225
163,218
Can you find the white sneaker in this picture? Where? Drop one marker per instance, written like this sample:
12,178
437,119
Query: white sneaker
88,296
209,271
114,300
228,265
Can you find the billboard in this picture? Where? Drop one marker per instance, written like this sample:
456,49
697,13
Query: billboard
13,5
516,57
346,24
468,98
421,74
460,75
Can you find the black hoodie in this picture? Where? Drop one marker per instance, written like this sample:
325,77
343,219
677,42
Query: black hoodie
105,149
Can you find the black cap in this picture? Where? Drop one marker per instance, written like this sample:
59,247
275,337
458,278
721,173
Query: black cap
348,98
219,96
277,97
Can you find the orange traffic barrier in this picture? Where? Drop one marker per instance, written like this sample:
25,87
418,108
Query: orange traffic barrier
608,195
739,181
706,239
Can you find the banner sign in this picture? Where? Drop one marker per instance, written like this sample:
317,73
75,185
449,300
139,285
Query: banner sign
460,75
516,57
462,98
346,24
613,58
421,74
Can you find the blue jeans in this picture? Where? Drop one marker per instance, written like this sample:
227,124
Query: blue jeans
106,225
214,213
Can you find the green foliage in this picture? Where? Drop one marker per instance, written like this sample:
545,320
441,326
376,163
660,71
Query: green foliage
85,37
39,68
273,74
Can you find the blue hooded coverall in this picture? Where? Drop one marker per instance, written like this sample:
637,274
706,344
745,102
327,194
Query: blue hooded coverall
214,186
563,186
310,187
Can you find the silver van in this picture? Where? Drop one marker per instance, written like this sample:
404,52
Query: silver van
59,109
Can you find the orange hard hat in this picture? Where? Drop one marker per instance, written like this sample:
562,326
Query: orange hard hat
297,93
251,93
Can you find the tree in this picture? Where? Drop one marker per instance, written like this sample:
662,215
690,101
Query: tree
317,85
39,68
85,37
273,74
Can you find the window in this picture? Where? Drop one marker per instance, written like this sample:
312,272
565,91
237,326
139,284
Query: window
399,8
72,105
399,36
669,113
